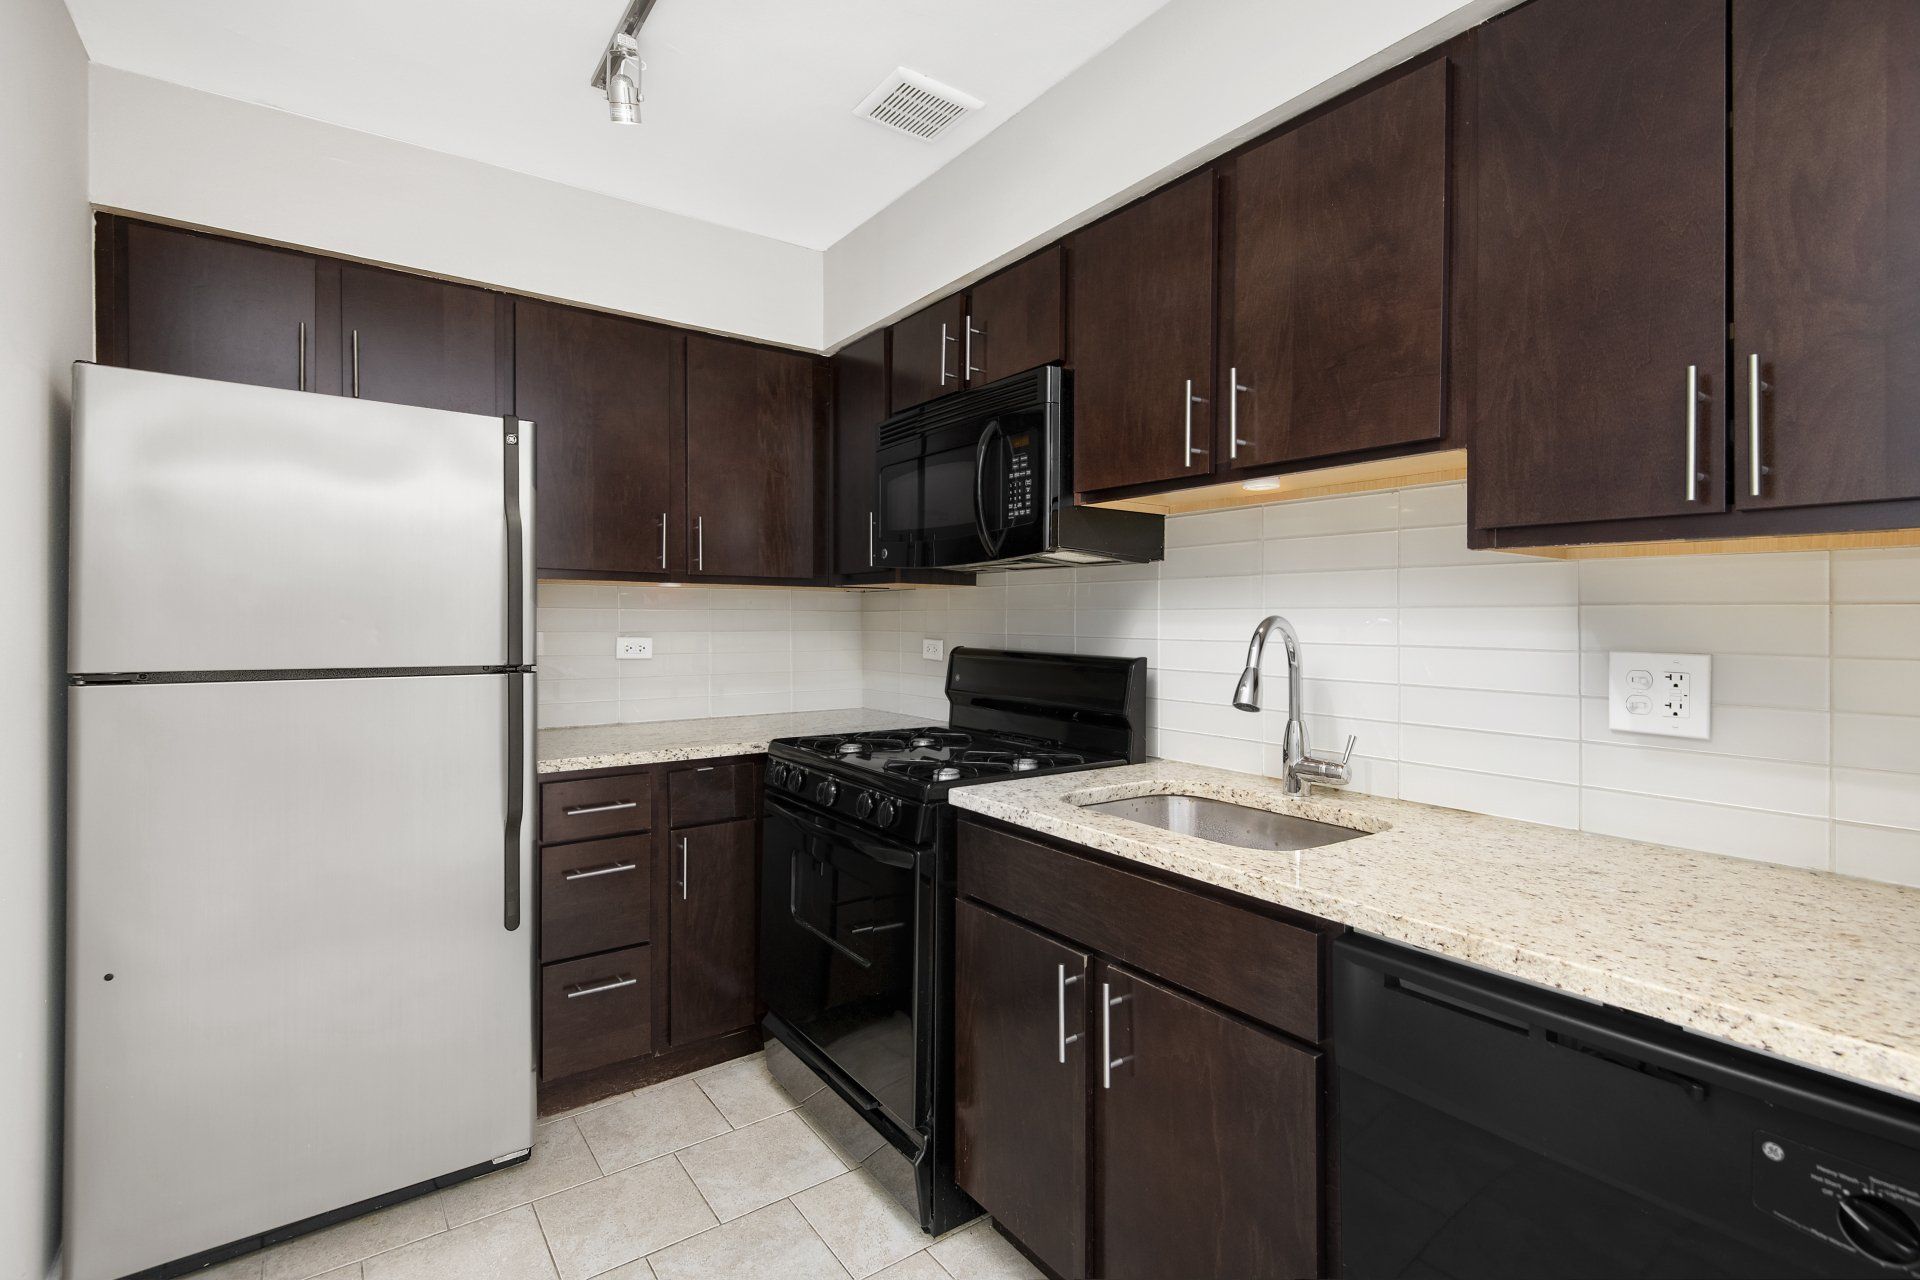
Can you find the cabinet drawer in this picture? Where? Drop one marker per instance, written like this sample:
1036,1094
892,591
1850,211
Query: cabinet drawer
595,896
710,793
1264,968
609,806
595,1011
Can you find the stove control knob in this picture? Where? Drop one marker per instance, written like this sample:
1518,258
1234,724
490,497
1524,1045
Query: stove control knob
827,792
887,812
796,779
863,805
777,774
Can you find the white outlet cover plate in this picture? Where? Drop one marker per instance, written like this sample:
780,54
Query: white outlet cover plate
633,647
1667,694
933,650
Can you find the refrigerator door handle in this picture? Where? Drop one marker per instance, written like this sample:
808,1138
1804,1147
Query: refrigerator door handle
519,729
518,450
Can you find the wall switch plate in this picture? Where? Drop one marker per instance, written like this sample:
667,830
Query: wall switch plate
1670,694
933,650
633,647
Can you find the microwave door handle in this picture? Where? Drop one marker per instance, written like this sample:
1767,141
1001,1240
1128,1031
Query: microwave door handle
991,541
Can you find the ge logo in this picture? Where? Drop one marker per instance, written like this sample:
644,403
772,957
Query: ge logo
1773,1151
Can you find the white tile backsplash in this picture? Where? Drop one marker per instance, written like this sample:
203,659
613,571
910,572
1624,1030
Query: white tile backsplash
717,652
1477,679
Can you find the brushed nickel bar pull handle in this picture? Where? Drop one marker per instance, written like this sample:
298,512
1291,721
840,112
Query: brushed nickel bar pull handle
302,384
612,984
1693,433
1234,388
663,539
683,868
700,543
608,869
872,532
969,348
945,338
1754,388
1107,1061
1065,1039
1192,400
578,810
356,364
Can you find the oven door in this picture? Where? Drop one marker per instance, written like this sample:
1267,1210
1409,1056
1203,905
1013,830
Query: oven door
965,492
841,917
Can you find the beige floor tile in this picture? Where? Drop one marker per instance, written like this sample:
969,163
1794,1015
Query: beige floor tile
774,1243
507,1246
353,1272
978,1253
745,1091
861,1222
353,1241
635,1270
851,1137
561,1159
245,1267
920,1266
650,1123
601,1225
751,1167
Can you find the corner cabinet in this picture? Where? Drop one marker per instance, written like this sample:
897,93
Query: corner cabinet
1137,1078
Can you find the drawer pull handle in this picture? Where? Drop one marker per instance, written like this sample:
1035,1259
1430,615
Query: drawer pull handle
607,869
580,810
878,928
594,989
1107,1061
1064,983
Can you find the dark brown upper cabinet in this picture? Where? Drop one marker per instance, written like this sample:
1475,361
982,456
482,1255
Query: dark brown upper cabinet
859,407
1826,245
412,340
605,397
1016,320
1600,273
713,887
1141,307
1334,320
175,301
754,418
929,353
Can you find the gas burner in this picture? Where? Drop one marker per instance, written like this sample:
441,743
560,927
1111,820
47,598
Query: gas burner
1025,764
936,770
851,748
1022,761
946,773
934,739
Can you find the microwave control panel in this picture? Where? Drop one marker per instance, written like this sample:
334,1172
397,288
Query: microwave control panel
1020,484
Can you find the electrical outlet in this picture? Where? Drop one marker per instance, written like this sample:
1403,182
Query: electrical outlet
933,650
633,647
1670,694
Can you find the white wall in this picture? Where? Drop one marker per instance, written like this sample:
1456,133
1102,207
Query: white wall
1477,680
176,153
1191,82
45,323
718,651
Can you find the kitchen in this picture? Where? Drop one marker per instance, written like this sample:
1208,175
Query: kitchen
1224,639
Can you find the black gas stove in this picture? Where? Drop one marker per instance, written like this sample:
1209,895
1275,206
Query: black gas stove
857,885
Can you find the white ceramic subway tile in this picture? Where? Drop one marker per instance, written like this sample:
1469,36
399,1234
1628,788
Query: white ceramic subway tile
1521,798
750,641
1876,742
600,666
1510,627
1760,733
576,595
1537,715
1879,853
1876,630
1433,505
1328,735
1890,576
1359,699
1706,628
1332,551
1510,670
683,708
1243,754
567,715
1213,719
1132,624
752,704
1490,584
551,691
1134,593
1790,839
757,662
1211,624
852,696
1208,593
1330,589
1711,779
553,621
1737,579
1211,561
1543,760
1889,687
554,644
1447,544
1120,647
1883,799
1353,514
1210,527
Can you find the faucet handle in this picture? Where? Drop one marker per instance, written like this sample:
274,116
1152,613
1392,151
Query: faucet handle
1348,753
1325,770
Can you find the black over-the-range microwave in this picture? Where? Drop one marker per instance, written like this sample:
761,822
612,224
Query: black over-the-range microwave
984,480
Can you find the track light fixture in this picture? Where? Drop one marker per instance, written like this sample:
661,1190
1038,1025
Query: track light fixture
620,66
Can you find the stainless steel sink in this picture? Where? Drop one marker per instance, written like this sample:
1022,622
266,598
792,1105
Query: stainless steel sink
1227,823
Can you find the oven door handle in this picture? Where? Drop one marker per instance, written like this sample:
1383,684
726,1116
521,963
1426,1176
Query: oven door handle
793,913
815,825
991,541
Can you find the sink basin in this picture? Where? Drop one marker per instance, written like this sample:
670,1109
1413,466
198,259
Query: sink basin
1224,822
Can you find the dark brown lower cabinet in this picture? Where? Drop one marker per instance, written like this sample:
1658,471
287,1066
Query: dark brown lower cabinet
710,949
1020,1075
595,1011
1205,1130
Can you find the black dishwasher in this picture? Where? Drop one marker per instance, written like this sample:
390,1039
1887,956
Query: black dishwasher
1486,1128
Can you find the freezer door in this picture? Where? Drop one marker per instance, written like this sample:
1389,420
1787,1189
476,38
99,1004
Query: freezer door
220,527
291,986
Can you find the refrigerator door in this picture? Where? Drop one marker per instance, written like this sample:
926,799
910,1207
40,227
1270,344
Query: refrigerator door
220,527
292,984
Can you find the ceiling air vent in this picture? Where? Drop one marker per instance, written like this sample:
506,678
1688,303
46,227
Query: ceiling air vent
911,103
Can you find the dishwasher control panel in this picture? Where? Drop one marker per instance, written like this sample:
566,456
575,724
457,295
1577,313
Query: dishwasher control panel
1840,1201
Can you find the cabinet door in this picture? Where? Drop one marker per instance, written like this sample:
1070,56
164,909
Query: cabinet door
929,353
712,888
1142,305
752,425
411,340
1206,1140
603,394
1826,245
1020,1081
1601,262
211,308
859,407
1016,320
1335,319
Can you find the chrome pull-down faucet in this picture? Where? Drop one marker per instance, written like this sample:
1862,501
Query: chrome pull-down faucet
1301,766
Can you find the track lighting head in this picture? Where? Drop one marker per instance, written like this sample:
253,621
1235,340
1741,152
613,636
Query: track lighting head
623,80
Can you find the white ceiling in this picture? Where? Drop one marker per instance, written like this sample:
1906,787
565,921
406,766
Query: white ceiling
749,103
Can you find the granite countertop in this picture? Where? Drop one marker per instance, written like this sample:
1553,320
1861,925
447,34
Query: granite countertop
618,746
1817,968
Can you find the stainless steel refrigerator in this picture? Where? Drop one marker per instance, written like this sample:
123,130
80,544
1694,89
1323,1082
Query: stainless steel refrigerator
300,710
